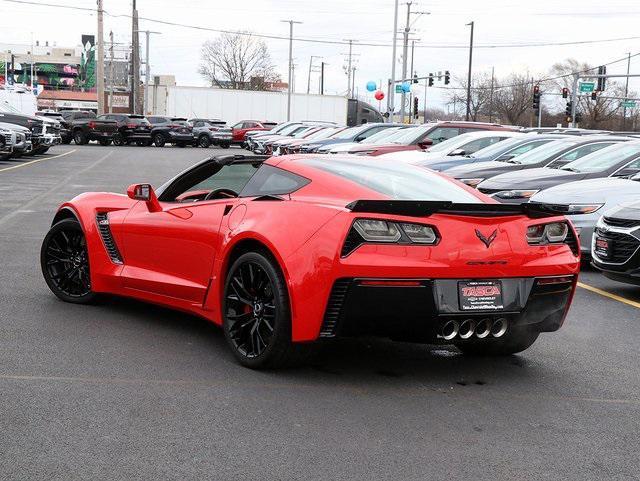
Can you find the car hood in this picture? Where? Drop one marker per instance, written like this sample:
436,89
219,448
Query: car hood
483,169
345,147
630,211
610,189
446,162
16,127
541,178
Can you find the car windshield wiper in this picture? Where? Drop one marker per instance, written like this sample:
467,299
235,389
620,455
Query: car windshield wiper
570,169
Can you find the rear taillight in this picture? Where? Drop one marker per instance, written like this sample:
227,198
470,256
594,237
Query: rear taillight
131,126
379,231
213,129
91,124
551,234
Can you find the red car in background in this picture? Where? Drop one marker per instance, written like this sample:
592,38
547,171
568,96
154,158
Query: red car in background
239,130
423,136
284,251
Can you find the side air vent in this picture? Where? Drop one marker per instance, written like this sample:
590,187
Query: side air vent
334,308
107,239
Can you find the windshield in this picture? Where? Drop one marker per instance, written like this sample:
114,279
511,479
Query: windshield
322,133
604,159
351,132
452,143
383,134
304,133
395,179
545,151
288,129
412,135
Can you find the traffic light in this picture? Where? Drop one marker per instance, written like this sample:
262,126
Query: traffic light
536,97
447,77
565,92
415,107
569,108
602,70
594,95
415,78
430,80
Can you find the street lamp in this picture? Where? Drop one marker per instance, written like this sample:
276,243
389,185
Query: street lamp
466,117
290,22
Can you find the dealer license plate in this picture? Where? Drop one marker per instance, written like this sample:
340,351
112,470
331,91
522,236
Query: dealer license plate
480,295
603,247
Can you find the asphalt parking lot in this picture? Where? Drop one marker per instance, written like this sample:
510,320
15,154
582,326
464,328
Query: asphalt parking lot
124,390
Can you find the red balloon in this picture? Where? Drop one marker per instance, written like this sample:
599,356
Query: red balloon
379,95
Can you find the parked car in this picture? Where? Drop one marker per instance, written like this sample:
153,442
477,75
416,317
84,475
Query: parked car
65,133
303,133
21,140
240,129
618,160
279,147
285,252
350,135
292,146
616,244
553,154
503,151
424,136
260,143
131,129
36,126
85,127
249,137
463,144
170,130
584,202
208,131
382,137
7,141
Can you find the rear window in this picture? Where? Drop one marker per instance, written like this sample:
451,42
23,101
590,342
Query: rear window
137,120
395,179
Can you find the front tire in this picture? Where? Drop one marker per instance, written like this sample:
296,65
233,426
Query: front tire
80,138
204,141
256,314
64,260
159,140
517,339
118,139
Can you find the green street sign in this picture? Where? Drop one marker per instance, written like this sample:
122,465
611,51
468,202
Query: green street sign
398,88
587,86
628,104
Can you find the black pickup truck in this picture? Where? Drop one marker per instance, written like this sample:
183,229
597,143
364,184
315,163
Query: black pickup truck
85,126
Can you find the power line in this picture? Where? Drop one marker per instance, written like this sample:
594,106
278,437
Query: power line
329,42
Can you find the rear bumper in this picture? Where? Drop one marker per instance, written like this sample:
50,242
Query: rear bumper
178,137
356,306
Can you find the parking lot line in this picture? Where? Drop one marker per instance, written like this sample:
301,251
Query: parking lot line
37,160
615,297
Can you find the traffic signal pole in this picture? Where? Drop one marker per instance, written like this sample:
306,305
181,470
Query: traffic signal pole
574,99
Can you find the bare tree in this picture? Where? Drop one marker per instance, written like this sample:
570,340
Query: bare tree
480,94
513,99
237,61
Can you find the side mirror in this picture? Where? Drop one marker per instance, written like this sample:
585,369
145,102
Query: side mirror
145,193
425,144
359,138
457,152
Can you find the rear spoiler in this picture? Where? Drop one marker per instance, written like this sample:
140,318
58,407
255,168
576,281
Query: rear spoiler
425,208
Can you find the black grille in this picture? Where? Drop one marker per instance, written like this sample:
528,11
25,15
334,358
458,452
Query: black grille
622,246
334,308
621,222
37,129
351,243
107,238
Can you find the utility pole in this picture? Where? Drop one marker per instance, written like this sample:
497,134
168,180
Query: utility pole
424,103
111,72
31,52
467,115
135,60
413,47
147,71
626,93
405,46
310,68
100,61
289,86
353,81
491,97
322,78
349,67
392,81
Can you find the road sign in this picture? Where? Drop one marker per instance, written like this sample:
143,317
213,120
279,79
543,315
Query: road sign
587,86
629,104
398,88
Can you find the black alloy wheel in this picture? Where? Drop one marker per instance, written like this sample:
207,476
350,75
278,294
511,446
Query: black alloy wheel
65,262
118,139
159,140
225,145
80,138
204,141
256,314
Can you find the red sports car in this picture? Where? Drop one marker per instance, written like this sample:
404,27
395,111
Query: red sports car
285,251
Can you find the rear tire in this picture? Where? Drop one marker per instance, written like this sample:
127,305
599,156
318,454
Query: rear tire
257,316
517,339
64,260
80,138
225,145
118,139
159,140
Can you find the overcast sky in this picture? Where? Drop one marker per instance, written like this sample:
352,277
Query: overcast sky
497,22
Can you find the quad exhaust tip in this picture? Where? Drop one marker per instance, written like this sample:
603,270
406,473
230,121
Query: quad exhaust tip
469,327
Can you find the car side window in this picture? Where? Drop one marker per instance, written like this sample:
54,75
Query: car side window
630,169
271,180
440,134
526,147
249,125
198,123
238,125
584,150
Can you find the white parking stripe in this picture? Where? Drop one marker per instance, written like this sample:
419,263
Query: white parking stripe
37,160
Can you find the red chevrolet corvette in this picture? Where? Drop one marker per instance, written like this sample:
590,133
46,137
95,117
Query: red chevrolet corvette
285,251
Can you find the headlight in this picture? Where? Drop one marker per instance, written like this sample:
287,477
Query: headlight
583,208
552,233
515,194
471,182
